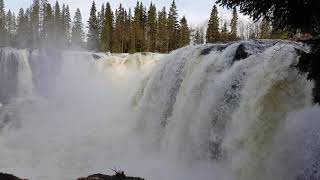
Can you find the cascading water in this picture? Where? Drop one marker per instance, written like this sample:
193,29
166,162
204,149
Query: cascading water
222,112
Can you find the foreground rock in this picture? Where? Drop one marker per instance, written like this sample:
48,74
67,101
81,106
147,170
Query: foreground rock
117,176
4,176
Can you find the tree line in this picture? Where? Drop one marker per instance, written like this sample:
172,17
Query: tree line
137,30
141,29
40,26
260,29
43,25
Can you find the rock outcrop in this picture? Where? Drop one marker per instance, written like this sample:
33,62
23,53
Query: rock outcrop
117,176
4,176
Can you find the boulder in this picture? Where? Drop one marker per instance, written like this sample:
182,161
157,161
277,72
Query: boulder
95,56
241,53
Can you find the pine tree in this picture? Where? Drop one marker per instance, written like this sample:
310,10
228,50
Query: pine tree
11,26
265,29
66,25
21,25
184,37
162,31
3,30
139,28
202,36
12,23
128,30
119,36
20,29
294,14
143,25
23,41
77,34
213,34
93,32
58,26
173,27
35,23
43,4
131,35
107,30
225,34
253,31
138,37
28,28
199,36
48,34
233,24
152,28
63,13
277,33
101,19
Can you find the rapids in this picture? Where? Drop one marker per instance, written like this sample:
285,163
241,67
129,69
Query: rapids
238,111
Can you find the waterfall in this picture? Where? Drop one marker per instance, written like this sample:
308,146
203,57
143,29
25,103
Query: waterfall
232,111
15,74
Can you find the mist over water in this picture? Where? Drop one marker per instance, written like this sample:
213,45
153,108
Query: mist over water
201,112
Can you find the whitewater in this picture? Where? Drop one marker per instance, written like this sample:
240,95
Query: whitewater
236,111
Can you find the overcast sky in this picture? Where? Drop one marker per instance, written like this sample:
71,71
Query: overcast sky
196,11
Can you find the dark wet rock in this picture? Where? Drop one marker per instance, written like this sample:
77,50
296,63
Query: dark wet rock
241,53
244,49
117,176
316,91
96,57
219,47
4,176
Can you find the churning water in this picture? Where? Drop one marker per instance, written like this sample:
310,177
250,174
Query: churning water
236,111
